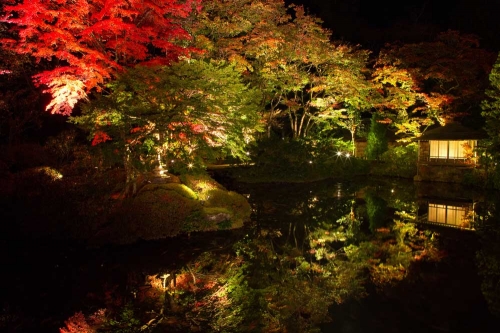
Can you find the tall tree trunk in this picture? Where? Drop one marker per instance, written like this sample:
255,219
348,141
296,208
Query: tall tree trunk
292,123
130,181
309,125
353,132
302,124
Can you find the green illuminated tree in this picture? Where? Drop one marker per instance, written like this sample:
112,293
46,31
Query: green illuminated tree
192,111
491,113
377,140
248,33
491,108
305,79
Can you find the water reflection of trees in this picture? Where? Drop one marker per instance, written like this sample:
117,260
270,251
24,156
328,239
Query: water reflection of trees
488,256
281,287
303,254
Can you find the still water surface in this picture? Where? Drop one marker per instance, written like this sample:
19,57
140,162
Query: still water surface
347,251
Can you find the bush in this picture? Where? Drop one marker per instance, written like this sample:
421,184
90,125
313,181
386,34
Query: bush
399,161
299,160
169,209
62,146
376,142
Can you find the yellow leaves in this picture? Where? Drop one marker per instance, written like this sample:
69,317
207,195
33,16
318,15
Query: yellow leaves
66,91
242,64
318,88
204,43
395,77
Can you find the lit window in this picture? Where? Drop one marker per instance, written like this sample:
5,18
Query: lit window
452,215
449,149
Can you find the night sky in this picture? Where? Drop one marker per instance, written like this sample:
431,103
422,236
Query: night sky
373,23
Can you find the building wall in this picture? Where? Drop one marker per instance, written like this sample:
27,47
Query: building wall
360,148
439,173
424,151
452,171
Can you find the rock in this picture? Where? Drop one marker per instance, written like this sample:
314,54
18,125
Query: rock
167,208
220,217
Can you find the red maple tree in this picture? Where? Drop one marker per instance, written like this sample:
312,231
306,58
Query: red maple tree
88,41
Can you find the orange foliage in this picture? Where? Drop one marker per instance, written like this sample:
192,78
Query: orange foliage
100,137
136,129
77,324
94,39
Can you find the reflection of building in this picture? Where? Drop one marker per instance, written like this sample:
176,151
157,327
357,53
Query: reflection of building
446,152
455,214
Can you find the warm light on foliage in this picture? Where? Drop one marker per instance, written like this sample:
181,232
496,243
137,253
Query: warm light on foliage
87,42
440,80
66,92
193,121
100,137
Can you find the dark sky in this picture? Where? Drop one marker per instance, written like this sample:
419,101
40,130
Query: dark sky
373,23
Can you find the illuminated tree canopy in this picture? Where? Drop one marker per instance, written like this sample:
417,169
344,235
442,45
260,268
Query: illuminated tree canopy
88,42
187,111
309,84
305,78
428,82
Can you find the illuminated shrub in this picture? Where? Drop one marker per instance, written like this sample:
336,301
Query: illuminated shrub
166,210
201,184
233,202
35,181
77,324
398,162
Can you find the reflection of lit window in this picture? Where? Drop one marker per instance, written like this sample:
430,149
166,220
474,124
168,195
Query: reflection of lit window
449,149
453,215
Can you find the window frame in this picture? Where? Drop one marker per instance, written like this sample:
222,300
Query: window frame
449,149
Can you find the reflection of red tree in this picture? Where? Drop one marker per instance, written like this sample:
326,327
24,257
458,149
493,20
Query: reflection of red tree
77,324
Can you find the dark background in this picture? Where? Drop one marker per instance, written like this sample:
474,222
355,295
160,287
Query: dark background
373,23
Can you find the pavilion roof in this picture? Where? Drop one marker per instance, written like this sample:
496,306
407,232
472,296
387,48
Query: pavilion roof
452,131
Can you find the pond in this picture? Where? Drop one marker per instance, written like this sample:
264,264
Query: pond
364,256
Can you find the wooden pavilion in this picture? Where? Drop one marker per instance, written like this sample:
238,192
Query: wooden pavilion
444,153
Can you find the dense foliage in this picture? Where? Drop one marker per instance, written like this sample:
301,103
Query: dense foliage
431,82
88,42
491,113
300,160
163,88
310,86
155,115
376,141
